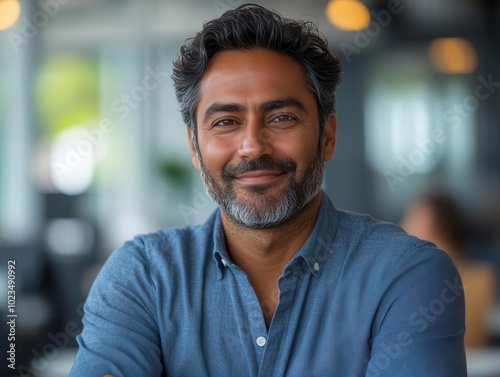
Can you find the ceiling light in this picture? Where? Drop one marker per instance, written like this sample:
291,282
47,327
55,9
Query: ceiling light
348,14
453,55
10,11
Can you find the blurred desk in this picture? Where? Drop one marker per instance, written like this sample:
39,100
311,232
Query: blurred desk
484,363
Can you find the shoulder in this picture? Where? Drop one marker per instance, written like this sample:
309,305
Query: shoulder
400,277
378,238
164,247
385,252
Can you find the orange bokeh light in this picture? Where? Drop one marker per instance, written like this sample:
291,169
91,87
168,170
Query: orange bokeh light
453,55
348,14
10,10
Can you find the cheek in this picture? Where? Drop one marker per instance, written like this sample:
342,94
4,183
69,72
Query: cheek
296,149
215,153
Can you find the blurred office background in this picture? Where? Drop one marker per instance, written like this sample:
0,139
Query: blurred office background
94,151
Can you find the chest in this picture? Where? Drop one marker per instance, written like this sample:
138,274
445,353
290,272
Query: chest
310,333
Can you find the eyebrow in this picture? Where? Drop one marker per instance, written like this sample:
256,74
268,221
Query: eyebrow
266,106
222,108
281,103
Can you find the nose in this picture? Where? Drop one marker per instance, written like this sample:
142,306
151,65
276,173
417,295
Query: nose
255,141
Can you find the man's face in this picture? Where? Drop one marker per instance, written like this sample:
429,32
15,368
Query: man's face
258,137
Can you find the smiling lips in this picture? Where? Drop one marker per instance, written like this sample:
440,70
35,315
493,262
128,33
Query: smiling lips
258,176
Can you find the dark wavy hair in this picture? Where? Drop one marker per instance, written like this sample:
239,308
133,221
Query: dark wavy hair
253,26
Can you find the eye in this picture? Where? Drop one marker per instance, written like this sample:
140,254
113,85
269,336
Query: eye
284,119
225,123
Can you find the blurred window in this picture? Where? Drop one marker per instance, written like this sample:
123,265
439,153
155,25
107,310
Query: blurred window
415,125
19,203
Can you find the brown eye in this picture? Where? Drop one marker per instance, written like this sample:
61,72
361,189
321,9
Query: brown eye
283,119
225,123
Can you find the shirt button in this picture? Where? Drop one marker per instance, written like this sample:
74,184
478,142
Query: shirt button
316,266
224,262
261,341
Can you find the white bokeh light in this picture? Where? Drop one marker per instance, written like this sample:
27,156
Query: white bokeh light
72,161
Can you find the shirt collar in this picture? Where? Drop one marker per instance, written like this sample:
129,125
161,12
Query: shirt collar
317,248
220,253
314,252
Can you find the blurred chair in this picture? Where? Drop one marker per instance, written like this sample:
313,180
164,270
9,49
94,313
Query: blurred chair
437,218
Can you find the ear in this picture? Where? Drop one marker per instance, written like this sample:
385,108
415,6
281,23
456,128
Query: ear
194,155
330,138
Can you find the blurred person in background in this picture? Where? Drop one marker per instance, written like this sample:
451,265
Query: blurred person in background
436,217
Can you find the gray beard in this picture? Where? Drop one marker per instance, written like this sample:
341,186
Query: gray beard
262,211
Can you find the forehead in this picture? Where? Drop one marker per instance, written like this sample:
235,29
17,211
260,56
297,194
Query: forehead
258,58
252,75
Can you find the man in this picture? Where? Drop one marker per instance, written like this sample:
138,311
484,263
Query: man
277,282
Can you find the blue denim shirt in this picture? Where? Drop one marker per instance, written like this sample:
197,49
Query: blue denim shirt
361,298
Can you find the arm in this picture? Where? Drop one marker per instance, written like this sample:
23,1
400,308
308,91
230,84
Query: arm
419,328
120,335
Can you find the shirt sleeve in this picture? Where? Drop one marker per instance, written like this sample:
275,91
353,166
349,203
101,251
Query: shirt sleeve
120,335
420,325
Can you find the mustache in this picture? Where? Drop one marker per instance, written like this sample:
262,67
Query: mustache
264,163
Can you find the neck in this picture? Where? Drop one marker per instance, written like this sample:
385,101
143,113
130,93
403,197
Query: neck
269,250
263,253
